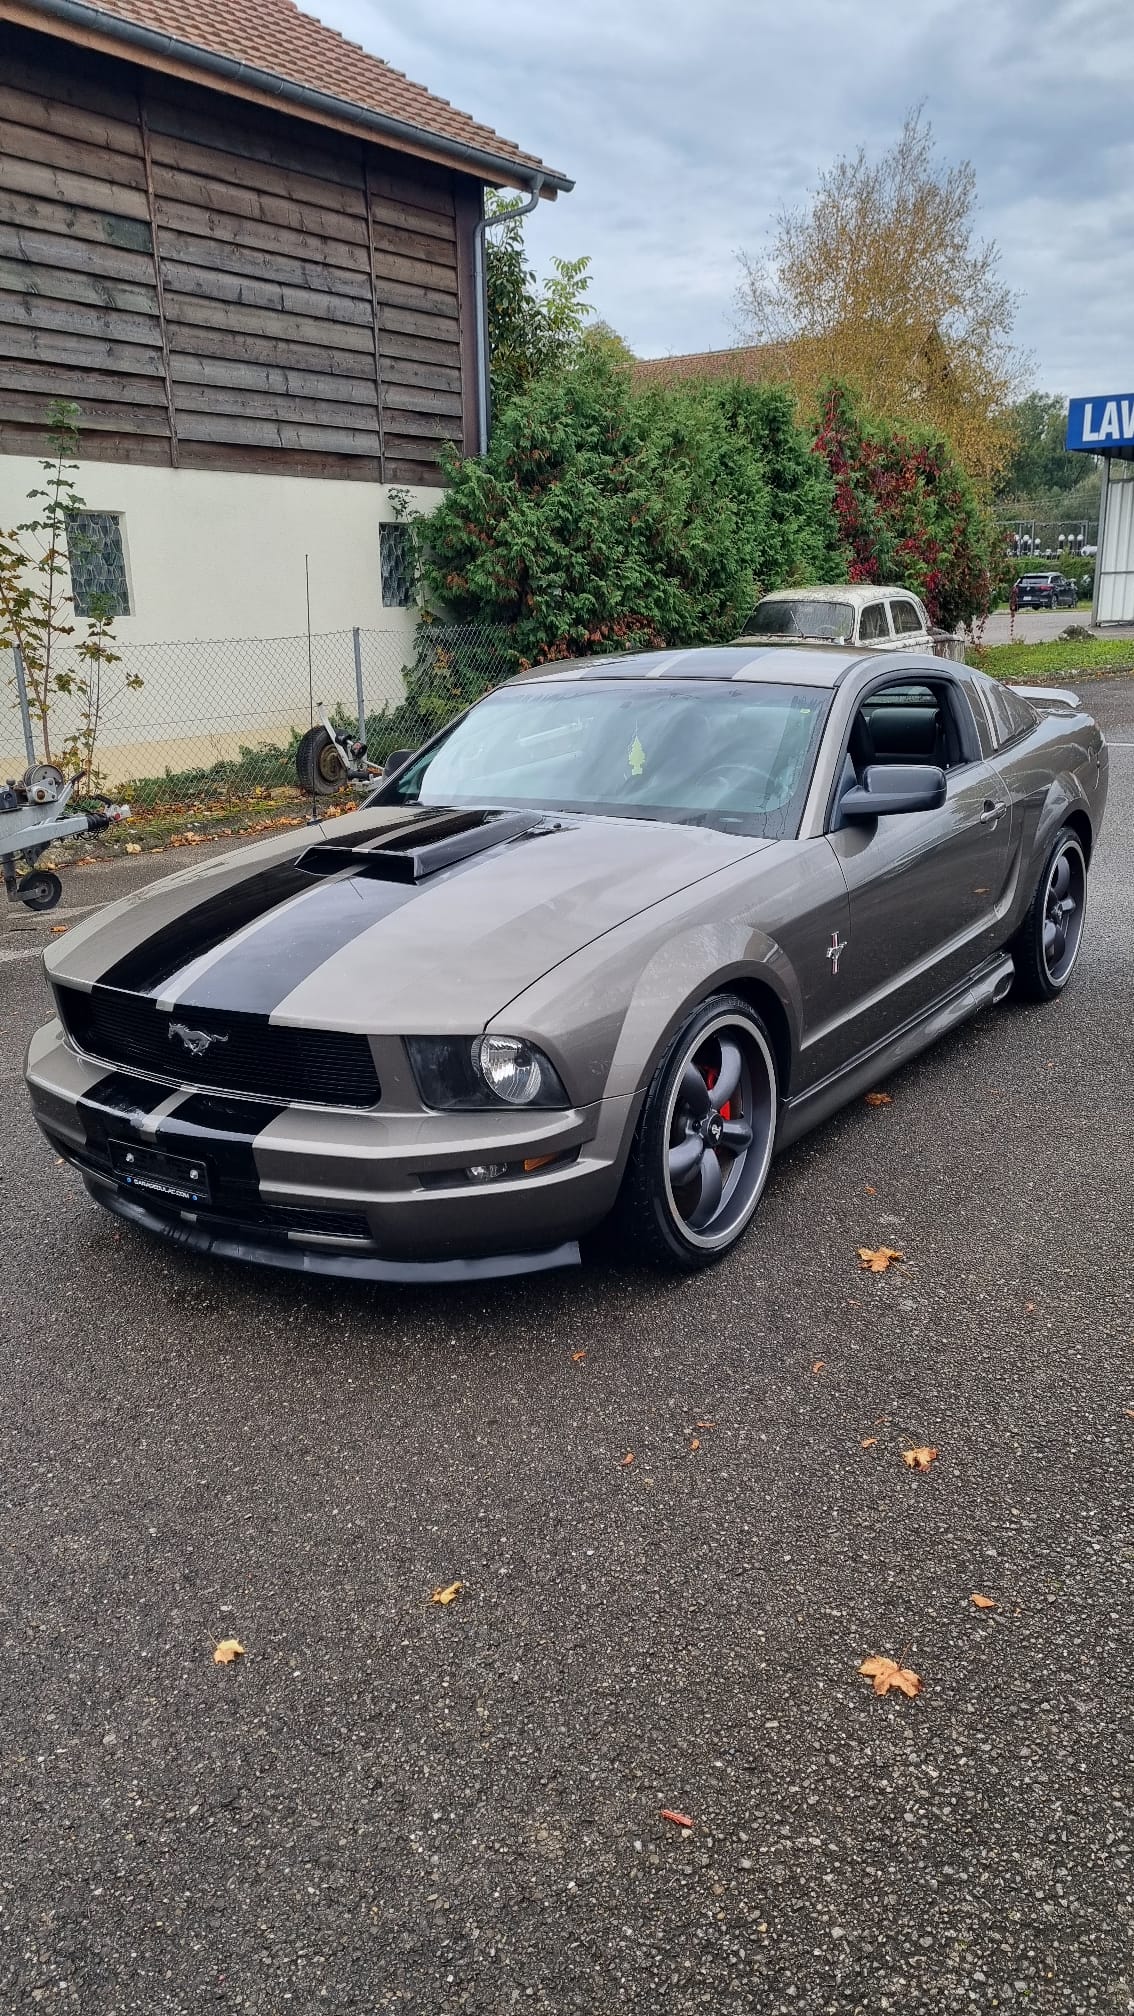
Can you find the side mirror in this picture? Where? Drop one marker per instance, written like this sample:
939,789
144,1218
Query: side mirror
894,787
396,760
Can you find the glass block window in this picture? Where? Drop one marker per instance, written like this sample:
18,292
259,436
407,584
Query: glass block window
98,563
396,548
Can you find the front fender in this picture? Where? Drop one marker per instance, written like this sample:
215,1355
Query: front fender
607,1015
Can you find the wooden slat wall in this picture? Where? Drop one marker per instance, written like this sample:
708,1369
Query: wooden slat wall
314,312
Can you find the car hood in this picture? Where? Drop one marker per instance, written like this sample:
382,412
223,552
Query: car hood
373,931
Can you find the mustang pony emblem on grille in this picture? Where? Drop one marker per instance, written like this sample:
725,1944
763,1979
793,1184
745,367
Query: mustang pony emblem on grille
196,1041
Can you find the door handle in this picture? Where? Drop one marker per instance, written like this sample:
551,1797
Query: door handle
992,812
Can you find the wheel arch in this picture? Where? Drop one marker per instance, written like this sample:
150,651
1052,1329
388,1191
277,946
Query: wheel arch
1079,821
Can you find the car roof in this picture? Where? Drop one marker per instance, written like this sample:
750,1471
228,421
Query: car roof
858,593
747,664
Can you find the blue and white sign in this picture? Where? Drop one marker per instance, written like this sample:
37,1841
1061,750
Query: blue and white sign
1101,424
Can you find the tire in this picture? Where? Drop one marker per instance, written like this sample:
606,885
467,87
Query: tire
319,767
1046,947
698,1165
40,890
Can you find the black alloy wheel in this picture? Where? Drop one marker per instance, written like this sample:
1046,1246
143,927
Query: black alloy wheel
1046,948
704,1142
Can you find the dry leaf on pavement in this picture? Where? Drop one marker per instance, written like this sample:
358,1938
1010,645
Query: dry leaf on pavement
820,1365
448,1595
678,1819
870,1190
868,1441
983,1602
877,1259
228,1650
577,1357
878,1099
57,930
131,847
918,1459
704,1424
886,1673
696,1442
628,1458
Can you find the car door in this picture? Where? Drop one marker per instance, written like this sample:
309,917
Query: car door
923,887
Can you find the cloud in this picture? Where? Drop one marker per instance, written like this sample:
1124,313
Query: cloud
687,129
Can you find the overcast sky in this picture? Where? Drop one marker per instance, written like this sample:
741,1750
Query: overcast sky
686,124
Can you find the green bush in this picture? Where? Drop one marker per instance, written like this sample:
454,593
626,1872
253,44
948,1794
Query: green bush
608,519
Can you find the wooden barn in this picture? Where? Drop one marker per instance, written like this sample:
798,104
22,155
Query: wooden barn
250,252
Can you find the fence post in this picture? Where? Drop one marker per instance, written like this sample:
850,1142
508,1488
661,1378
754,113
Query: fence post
359,695
22,697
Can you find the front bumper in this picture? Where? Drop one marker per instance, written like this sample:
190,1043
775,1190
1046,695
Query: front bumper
363,1195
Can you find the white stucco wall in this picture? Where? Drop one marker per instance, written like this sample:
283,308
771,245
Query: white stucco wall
212,555
214,561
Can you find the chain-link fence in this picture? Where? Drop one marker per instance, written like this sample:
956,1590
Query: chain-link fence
208,724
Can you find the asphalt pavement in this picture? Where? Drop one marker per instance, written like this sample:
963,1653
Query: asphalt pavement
392,1805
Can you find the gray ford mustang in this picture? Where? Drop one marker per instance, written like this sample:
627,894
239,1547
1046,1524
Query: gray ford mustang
600,948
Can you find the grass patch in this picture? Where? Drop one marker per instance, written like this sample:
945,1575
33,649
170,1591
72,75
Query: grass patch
1089,658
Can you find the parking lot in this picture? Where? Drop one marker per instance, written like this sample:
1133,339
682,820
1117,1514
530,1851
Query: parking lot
390,1804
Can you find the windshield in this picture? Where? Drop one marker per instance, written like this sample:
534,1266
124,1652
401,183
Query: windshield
702,753
829,622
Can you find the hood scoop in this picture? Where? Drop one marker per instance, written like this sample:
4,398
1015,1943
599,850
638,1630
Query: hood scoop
408,864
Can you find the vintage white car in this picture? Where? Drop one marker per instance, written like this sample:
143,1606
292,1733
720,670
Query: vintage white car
887,619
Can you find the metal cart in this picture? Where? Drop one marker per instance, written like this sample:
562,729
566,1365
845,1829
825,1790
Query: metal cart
34,814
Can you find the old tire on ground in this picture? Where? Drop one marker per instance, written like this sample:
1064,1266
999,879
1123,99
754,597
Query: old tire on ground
319,767
40,890
1046,947
703,1144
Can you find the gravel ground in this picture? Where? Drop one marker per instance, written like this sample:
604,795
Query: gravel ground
390,1805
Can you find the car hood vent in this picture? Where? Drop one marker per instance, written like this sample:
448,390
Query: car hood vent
402,861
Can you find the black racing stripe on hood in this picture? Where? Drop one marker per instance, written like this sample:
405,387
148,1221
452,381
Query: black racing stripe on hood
266,967
223,912
204,927
222,1132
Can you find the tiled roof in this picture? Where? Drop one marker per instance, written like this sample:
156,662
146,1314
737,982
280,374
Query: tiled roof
753,362
274,37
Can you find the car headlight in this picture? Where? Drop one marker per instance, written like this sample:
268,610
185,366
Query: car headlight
483,1071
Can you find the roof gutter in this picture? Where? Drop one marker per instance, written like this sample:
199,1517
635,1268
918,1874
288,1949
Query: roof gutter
319,105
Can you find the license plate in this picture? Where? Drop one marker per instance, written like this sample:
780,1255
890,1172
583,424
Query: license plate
180,1176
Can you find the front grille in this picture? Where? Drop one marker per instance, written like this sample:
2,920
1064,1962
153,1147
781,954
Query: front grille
324,1067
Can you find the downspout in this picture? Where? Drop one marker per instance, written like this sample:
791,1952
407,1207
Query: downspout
480,290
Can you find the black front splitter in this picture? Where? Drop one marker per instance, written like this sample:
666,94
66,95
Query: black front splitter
295,1259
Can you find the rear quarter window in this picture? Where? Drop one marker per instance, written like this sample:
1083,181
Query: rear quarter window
1010,716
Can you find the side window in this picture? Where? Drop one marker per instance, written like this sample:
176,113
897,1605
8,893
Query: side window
1010,714
906,617
873,624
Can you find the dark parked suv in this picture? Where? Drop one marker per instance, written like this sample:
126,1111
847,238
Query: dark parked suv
1045,591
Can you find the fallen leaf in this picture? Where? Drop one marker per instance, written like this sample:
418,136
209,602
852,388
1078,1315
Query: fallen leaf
1129,1413
59,1161
876,1259
628,1458
678,1819
577,1357
878,1099
695,1444
228,1650
704,1424
820,1365
448,1595
870,1190
886,1673
132,847
983,1602
1029,1308
57,930
868,1441
918,1459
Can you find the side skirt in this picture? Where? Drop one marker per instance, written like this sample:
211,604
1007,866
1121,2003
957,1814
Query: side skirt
809,1109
